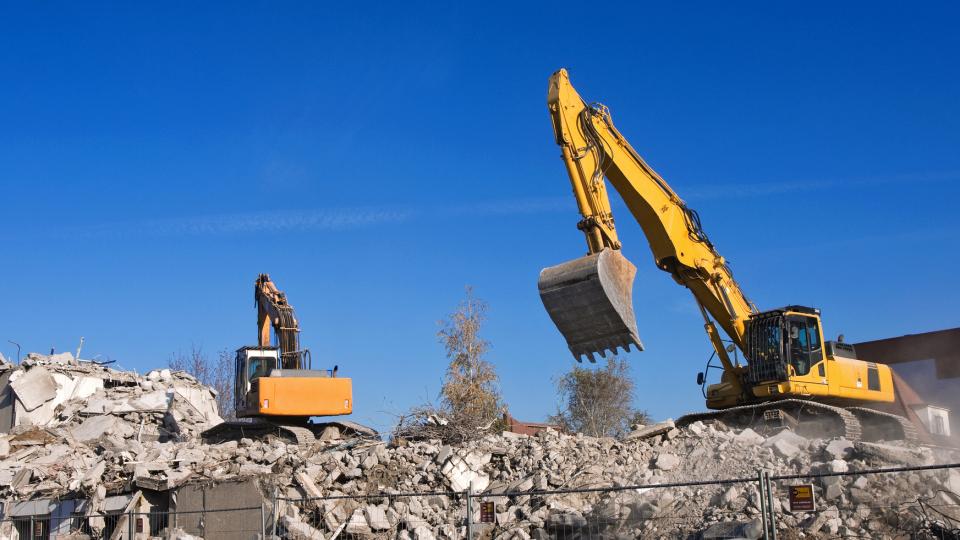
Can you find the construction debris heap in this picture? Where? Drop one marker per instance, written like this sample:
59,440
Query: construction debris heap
84,432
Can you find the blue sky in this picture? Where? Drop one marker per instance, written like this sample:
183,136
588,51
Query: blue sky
375,160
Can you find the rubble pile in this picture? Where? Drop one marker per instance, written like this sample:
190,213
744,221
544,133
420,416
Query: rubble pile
501,468
85,431
77,426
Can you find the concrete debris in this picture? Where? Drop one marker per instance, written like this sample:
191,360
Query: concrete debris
33,387
87,432
749,436
838,449
645,432
80,425
667,462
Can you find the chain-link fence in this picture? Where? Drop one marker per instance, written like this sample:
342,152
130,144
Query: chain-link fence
234,523
827,502
908,502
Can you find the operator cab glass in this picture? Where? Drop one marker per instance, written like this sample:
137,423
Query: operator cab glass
804,337
252,363
779,345
260,366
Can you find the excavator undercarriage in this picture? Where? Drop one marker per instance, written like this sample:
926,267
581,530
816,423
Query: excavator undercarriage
811,419
295,431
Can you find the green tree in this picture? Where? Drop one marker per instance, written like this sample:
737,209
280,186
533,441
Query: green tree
597,402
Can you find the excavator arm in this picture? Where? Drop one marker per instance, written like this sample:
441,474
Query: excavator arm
592,149
273,311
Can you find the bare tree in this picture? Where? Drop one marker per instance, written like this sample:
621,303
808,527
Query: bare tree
471,389
470,404
597,402
217,374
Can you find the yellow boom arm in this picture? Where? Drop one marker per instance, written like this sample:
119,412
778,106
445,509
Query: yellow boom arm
592,149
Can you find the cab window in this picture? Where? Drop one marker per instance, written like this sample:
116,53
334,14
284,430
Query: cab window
259,366
804,343
813,338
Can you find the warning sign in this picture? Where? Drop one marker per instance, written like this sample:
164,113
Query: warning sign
487,512
802,499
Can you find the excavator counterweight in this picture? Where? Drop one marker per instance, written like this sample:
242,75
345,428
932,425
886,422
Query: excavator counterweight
590,300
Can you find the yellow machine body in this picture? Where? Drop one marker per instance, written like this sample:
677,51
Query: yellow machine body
827,378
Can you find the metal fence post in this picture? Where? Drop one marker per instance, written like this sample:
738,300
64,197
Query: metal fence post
767,515
469,512
773,513
763,506
131,529
275,512
32,532
263,522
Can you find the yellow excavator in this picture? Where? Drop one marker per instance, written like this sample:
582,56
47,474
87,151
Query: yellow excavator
791,377
275,387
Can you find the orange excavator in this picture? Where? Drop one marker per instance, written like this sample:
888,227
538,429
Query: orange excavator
276,389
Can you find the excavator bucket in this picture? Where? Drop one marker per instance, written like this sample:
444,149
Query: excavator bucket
590,299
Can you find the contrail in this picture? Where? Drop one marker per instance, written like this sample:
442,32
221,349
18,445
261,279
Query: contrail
270,222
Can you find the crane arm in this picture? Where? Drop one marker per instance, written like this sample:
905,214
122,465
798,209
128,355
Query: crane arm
592,149
273,311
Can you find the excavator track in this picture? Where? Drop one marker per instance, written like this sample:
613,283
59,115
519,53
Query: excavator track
808,417
882,426
299,433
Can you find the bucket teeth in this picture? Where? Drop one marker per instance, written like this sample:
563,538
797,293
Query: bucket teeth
590,301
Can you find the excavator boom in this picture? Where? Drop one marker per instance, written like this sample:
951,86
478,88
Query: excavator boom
273,311
592,149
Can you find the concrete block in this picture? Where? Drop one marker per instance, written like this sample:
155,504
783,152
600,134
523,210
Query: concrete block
749,437
34,387
376,518
785,449
666,462
650,431
838,449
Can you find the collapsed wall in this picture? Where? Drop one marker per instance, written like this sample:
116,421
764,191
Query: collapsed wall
85,432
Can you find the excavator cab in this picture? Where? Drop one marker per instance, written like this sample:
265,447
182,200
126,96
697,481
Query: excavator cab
782,343
251,364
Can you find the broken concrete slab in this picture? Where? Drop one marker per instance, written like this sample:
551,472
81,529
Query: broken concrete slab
749,436
461,476
785,449
376,518
34,387
646,432
667,462
95,427
789,436
891,454
838,449
298,529
358,524
751,530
